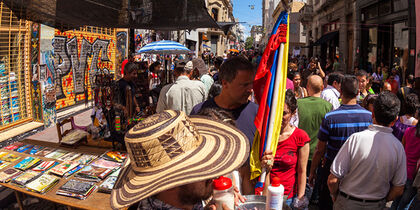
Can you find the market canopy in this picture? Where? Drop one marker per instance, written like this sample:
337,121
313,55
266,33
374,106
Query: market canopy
226,26
142,14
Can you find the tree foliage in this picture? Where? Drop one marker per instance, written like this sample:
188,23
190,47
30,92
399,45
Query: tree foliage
249,43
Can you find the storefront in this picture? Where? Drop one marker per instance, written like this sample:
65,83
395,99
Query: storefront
385,36
14,69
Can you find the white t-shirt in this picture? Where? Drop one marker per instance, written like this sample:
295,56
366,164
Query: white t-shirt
369,162
331,95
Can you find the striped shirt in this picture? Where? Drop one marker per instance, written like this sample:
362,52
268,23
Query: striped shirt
339,124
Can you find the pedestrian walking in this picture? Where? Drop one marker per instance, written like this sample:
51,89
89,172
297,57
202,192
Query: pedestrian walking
370,168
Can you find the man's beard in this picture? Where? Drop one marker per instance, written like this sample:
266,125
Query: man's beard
193,193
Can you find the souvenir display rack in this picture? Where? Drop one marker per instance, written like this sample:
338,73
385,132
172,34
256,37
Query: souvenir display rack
14,69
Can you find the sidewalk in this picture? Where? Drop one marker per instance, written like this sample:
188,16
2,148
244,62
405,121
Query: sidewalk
33,128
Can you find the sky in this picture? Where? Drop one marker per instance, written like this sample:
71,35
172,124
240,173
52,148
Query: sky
242,9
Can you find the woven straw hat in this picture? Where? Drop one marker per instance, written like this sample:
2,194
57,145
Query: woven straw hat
169,149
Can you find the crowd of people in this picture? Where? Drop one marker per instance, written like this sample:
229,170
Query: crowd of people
347,141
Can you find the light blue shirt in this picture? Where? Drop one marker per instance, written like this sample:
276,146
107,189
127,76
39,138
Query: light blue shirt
182,95
208,81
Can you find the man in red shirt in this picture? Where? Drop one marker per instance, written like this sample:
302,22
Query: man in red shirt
130,58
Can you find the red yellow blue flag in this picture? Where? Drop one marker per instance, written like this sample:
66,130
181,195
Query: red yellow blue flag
270,89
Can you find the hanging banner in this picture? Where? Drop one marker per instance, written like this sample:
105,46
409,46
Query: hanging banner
417,72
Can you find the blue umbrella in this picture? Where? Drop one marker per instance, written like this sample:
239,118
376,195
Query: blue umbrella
164,47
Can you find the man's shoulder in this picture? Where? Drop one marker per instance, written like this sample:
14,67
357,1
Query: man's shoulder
205,104
357,110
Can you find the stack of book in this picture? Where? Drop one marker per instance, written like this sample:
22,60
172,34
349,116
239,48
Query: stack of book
64,167
77,189
25,177
45,166
43,183
10,157
27,163
114,156
70,156
56,154
45,151
109,182
25,148
35,149
8,174
85,159
93,173
14,146
3,164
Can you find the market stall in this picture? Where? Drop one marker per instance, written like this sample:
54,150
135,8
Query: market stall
28,177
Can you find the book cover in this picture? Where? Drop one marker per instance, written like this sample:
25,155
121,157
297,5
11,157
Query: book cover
25,177
43,183
108,184
35,149
102,163
77,186
69,156
74,170
85,159
8,174
64,167
45,151
45,165
76,195
14,145
3,164
24,148
2,154
10,158
56,154
93,173
27,163
115,156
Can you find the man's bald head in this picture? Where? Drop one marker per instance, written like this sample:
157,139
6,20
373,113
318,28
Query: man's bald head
315,84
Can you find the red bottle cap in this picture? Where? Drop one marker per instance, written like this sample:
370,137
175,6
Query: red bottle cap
222,183
275,182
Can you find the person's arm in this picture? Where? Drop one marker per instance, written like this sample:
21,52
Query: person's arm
333,183
321,72
161,104
316,159
303,155
394,192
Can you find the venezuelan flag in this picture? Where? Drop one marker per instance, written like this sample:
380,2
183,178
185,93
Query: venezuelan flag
270,89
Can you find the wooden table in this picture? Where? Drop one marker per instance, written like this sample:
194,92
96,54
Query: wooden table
96,200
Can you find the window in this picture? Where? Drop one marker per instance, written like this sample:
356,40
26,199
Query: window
215,14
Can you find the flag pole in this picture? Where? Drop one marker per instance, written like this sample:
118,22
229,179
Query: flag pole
279,77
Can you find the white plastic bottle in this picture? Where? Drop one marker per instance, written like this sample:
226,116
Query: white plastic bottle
274,198
223,193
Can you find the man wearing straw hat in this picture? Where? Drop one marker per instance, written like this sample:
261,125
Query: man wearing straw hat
173,160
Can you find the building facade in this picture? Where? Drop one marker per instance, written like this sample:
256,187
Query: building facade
257,35
362,33
213,39
44,70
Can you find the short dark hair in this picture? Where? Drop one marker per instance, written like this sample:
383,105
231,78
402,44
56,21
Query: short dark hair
292,74
290,100
218,61
411,103
410,79
130,67
386,108
215,90
362,73
369,99
335,77
350,86
230,68
153,65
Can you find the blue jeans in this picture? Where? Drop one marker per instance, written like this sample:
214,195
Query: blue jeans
404,201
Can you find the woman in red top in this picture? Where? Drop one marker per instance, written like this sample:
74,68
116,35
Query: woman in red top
291,156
